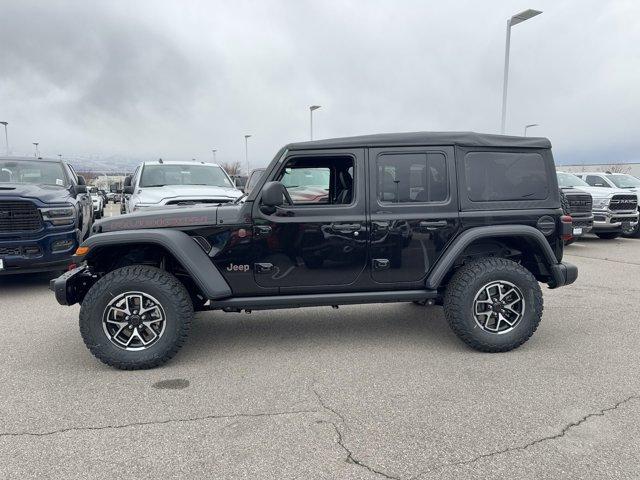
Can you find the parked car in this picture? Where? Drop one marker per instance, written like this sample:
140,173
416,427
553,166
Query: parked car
239,181
615,210
469,221
160,183
252,181
577,203
623,181
45,212
97,202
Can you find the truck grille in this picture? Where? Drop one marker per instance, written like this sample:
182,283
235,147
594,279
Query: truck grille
623,202
19,216
579,203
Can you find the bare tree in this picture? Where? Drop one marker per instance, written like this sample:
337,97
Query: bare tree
618,168
232,168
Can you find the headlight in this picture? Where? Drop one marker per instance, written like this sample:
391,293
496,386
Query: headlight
59,215
600,203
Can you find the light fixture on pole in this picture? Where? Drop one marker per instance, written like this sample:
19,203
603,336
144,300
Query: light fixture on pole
516,19
60,156
311,109
213,150
526,127
37,152
6,136
246,151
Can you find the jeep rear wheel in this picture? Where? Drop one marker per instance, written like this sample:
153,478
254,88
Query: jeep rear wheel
136,317
493,304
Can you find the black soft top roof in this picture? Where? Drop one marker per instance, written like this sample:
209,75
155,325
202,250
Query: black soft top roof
462,139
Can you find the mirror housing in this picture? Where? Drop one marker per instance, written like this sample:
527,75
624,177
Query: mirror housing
80,188
127,180
128,189
81,180
272,196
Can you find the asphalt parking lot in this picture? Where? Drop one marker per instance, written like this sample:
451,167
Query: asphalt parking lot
371,392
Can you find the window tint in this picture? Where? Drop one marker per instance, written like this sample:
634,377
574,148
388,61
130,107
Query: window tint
412,177
319,180
168,174
595,181
493,176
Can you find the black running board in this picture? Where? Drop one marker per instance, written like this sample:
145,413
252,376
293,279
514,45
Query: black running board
319,300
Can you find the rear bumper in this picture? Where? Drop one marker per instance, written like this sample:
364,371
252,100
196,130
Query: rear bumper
563,274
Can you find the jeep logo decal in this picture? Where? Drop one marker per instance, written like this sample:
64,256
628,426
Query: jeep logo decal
237,268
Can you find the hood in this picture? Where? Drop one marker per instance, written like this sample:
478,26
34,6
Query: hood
604,192
574,191
164,217
44,193
186,192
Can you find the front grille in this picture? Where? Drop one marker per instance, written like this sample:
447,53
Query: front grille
197,201
4,251
623,202
579,203
20,251
19,216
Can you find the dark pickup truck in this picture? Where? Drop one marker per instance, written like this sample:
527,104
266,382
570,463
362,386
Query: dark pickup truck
45,213
469,221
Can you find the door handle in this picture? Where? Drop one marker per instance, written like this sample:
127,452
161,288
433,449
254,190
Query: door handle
381,263
346,227
433,224
263,267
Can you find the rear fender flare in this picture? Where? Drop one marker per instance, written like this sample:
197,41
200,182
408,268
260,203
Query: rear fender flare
466,238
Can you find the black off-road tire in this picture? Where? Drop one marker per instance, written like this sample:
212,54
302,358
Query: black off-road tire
164,287
564,202
467,282
608,235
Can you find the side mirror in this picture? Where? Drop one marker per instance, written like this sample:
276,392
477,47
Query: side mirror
81,180
272,197
127,181
128,189
79,189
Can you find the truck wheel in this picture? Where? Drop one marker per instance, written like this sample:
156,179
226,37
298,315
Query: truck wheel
136,317
608,235
493,304
633,232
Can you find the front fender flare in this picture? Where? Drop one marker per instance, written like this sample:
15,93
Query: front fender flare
185,250
466,238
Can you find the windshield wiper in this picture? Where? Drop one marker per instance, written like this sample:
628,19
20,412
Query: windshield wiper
158,185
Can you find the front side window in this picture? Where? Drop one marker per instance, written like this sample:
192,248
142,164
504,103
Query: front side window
161,175
253,179
505,176
25,171
319,180
412,177
569,180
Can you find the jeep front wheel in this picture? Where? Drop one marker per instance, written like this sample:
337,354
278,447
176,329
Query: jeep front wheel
493,304
136,317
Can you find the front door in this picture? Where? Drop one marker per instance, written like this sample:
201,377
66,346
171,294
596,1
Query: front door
414,211
320,240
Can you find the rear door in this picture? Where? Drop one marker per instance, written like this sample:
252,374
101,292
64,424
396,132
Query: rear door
414,211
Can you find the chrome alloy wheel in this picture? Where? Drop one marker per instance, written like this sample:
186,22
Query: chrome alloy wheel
498,307
134,321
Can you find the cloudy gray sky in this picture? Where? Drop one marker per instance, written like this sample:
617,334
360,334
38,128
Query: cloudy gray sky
177,78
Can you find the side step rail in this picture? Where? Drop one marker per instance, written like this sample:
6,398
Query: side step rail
318,300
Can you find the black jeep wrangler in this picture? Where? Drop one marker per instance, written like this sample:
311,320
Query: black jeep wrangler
469,221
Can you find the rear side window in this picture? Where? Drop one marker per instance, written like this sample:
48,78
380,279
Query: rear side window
498,176
412,177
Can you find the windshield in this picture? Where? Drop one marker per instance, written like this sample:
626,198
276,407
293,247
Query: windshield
624,181
253,179
25,171
568,180
160,175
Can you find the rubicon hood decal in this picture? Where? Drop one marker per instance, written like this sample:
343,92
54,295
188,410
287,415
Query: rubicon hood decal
165,218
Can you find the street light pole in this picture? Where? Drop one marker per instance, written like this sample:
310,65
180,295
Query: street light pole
514,20
526,127
37,153
311,109
213,150
246,151
6,136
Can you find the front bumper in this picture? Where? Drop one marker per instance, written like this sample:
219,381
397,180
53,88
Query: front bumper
30,255
563,273
612,221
